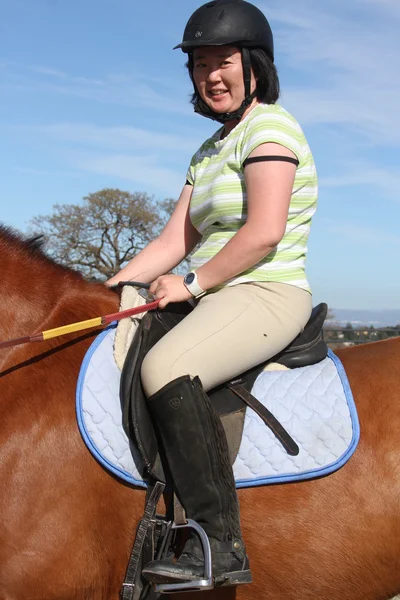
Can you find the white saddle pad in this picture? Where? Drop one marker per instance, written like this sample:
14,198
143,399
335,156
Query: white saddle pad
314,404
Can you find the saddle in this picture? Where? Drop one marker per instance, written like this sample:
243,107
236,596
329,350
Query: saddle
229,399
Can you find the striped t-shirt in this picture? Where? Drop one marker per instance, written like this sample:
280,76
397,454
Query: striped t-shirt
218,206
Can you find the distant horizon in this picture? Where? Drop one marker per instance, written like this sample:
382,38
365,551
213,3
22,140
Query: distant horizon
366,309
366,317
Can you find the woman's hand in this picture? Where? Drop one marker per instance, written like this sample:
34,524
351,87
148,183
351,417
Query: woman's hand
169,288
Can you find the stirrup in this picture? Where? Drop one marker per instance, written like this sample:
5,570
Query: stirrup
196,585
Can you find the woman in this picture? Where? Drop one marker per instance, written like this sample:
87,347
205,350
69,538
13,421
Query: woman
247,204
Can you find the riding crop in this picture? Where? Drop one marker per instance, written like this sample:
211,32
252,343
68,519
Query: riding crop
81,325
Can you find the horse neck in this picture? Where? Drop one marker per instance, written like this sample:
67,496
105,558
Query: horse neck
37,294
50,299
27,299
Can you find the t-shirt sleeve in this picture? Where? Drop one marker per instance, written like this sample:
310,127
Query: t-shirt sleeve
197,160
189,177
275,128
191,172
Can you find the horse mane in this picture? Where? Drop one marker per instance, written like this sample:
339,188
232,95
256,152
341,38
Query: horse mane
14,243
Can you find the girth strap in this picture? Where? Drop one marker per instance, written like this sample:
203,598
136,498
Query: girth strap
130,589
277,429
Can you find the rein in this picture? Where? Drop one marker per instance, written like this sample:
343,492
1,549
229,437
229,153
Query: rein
81,325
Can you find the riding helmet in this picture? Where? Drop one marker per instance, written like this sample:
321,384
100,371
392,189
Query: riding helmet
228,23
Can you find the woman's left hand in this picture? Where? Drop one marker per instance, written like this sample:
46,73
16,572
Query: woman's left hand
169,288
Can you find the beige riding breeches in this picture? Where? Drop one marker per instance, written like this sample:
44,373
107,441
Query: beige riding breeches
228,332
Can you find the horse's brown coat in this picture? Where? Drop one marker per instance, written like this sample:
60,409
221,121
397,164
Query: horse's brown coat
67,525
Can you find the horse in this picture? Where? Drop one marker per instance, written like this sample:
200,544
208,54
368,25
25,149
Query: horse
67,525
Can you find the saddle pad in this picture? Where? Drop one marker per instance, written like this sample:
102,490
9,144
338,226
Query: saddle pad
314,404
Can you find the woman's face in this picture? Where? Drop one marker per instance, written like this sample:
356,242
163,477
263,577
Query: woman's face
218,75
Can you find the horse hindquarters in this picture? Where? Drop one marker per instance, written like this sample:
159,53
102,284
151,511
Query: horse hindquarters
336,537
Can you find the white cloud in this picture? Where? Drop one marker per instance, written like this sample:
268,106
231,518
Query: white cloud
345,56
138,169
47,71
320,107
392,7
128,153
44,172
132,90
110,138
357,173
360,234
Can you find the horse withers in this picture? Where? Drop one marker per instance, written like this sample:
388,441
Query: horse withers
68,525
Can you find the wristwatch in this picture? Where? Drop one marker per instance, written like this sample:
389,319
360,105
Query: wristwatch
191,282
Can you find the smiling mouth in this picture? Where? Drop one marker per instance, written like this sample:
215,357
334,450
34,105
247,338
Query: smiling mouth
216,93
217,96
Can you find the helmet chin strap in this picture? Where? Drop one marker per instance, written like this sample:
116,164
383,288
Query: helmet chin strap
203,109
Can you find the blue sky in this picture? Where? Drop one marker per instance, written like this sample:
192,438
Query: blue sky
92,96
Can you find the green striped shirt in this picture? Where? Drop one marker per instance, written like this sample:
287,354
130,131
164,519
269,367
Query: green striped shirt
218,206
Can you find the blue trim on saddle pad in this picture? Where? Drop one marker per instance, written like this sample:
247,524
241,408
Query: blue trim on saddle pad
102,406
110,466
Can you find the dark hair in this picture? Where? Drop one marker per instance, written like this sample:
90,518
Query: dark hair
267,80
268,88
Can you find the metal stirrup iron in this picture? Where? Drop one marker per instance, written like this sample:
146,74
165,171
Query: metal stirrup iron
195,585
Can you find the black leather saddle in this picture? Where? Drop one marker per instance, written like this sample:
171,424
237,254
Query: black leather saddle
307,348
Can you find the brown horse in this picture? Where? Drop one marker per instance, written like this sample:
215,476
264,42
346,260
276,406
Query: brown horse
67,525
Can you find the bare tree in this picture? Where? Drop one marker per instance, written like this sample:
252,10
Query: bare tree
103,233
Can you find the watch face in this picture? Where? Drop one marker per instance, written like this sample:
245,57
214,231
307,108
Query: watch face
189,278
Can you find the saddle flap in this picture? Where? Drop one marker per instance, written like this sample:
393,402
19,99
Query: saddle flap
233,424
137,421
133,401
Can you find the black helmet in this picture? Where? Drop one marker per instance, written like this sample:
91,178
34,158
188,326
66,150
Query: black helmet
228,22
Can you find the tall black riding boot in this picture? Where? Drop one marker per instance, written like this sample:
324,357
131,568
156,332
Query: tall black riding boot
196,449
